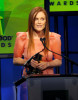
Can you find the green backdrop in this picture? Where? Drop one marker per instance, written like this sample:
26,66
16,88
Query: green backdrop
14,18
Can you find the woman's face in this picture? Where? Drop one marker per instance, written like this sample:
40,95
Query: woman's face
40,22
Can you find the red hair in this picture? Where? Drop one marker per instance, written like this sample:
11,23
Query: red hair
31,21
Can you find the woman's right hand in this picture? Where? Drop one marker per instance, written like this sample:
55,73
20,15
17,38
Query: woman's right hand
34,63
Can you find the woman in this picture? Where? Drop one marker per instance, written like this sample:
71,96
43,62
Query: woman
28,43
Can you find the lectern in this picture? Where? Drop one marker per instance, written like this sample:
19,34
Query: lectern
48,87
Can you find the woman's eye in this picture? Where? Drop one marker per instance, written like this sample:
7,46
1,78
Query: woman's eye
36,18
42,18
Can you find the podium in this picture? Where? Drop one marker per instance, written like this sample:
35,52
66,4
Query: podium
48,87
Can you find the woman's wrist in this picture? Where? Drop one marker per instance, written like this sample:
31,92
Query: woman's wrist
48,64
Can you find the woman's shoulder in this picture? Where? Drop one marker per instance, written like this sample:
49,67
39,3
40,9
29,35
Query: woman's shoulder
22,35
54,35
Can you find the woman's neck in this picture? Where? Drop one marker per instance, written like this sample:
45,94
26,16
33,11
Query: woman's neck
38,34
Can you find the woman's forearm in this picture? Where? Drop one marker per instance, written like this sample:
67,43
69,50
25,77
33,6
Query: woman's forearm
55,63
19,61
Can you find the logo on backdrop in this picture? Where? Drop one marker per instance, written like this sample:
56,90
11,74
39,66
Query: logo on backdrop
1,31
63,5
3,38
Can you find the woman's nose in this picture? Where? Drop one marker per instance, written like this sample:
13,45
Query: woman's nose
39,21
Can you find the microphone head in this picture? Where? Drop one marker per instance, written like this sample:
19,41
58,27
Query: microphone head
42,39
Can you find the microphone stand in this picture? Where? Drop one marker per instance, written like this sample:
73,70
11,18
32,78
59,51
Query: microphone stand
28,76
71,61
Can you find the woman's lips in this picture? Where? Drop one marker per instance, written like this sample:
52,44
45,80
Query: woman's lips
39,26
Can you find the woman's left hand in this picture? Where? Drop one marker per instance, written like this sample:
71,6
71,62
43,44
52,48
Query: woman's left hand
43,65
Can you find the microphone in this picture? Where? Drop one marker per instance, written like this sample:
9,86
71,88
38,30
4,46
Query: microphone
43,41
71,61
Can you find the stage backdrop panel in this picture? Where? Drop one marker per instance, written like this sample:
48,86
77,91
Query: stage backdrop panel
14,18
